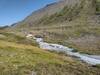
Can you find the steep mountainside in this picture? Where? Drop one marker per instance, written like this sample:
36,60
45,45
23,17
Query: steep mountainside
72,22
64,9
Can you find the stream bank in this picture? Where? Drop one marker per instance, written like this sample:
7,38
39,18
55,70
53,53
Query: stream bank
90,59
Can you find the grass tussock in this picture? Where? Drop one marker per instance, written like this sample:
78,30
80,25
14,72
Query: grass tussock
12,37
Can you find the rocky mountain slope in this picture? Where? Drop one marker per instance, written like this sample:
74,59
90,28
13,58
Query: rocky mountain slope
70,22
64,9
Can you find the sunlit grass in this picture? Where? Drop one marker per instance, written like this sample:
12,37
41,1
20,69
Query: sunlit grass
24,59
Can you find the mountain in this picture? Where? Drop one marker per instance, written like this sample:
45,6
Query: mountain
70,22
63,9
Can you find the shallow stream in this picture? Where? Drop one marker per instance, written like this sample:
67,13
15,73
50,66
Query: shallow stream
90,59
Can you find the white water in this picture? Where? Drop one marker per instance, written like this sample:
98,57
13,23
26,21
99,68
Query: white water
90,59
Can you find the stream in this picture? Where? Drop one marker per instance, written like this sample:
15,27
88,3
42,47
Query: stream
90,59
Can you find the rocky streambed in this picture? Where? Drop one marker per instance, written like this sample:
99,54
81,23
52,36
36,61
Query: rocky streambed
90,59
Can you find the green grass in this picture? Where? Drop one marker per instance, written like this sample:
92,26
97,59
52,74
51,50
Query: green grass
12,37
17,57
21,59
98,6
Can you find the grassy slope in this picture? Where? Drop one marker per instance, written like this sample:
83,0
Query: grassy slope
20,59
15,58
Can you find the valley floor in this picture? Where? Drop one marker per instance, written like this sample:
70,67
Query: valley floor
18,58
